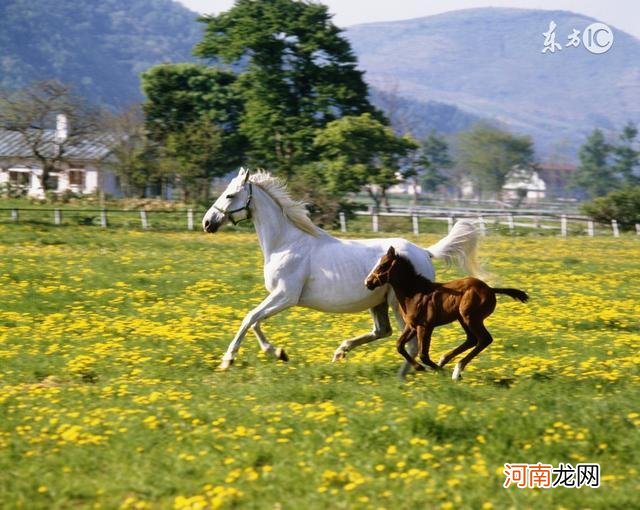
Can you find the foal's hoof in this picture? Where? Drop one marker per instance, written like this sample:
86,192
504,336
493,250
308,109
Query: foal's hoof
225,364
419,368
441,362
281,355
457,373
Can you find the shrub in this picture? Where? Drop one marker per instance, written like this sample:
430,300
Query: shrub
622,205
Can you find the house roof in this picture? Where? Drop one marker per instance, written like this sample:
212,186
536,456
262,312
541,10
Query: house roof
13,145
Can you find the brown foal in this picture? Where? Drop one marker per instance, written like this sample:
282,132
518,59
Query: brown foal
426,305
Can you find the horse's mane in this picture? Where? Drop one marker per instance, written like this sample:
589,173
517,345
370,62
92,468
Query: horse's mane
294,210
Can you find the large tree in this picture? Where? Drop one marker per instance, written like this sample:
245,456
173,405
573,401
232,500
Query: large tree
296,73
626,157
594,174
360,151
490,154
50,120
433,161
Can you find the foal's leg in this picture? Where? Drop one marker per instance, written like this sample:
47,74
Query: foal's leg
484,339
412,345
381,329
407,335
467,344
266,346
424,342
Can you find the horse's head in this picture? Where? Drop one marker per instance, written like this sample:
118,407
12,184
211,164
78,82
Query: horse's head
234,204
379,275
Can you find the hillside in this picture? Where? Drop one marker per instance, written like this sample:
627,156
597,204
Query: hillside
100,47
489,62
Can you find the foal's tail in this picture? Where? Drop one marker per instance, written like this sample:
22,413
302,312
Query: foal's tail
459,246
520,295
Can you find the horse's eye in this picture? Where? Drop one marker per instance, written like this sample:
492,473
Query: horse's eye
231,195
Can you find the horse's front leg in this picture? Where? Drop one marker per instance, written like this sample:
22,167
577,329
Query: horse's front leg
381,329
275,302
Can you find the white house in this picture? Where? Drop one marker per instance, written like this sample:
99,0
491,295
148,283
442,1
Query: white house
83,171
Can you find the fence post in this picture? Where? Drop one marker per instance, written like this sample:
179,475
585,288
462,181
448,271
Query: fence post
449,223
57,216
374,222
189,219
563,225
15,215
103,218
614,227
510,222
143,219
416,225
638,228
343,222
483,227
590,229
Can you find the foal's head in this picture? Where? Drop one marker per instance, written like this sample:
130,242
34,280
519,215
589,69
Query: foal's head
379,275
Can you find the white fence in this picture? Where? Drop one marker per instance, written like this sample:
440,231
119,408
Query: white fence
528,219
542,220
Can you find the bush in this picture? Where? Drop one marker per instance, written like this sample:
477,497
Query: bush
622,205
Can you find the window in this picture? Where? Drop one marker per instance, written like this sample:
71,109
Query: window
20,179
76,178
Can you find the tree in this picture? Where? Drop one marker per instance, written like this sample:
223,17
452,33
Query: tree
360,151
594,174
296,73
50,120
490,154
134,158
433,159
626,159
193,113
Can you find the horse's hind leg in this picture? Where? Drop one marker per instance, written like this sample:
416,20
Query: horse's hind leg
381,329
467,344
484,339
266,346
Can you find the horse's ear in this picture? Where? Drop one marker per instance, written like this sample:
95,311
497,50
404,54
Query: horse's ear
246,175
391,251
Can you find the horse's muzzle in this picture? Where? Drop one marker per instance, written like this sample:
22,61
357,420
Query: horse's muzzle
210,226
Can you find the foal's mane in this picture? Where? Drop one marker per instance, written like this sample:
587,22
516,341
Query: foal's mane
411,279
293,210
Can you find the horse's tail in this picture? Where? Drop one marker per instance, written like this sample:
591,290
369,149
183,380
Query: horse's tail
520,295
459,246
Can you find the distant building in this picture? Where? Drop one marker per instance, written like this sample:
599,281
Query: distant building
83,172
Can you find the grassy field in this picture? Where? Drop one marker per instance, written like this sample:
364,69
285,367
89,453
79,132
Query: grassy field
110,397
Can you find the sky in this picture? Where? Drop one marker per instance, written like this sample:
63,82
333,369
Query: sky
621,14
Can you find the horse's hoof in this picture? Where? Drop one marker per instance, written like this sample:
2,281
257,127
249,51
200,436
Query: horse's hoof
338,355
419,368
281,355
441,362
225,364
457,373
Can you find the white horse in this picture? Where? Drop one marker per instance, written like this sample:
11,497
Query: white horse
305,266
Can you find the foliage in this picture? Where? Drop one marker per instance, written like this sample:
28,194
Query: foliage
490,154
433,160
607,166
360,151
296,73
110,397
621,205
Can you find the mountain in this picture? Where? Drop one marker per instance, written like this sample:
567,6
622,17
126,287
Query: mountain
99,46
489,62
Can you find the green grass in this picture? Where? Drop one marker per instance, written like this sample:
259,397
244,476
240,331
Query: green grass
110,396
